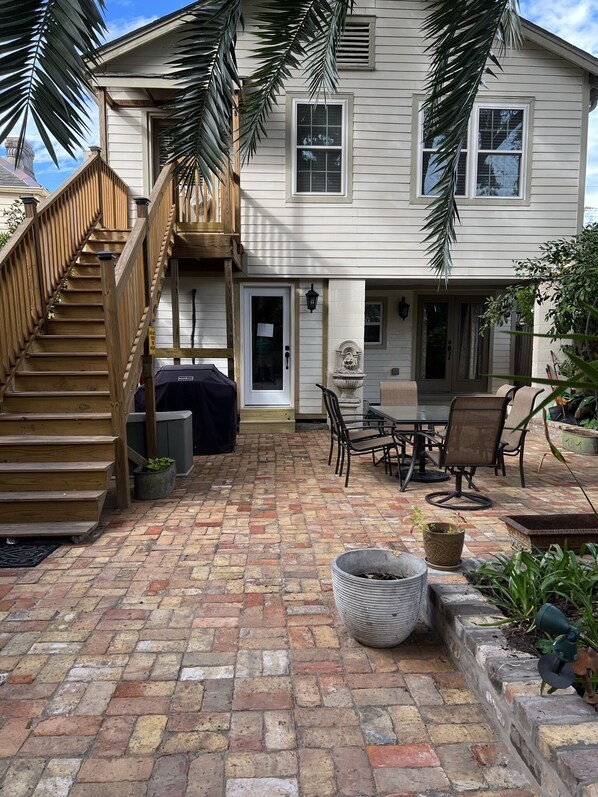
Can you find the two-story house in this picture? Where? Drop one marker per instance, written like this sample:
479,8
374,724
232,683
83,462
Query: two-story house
337,195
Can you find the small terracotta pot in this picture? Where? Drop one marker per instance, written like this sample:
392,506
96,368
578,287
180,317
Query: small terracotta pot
443,545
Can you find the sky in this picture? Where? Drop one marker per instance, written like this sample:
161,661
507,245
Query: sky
576,21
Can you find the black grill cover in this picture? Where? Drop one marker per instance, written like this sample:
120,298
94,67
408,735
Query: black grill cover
211,397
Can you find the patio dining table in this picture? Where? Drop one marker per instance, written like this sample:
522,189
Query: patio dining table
417,417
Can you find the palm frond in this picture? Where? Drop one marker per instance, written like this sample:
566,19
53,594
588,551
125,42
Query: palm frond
43,45
462,36
205,69
287,32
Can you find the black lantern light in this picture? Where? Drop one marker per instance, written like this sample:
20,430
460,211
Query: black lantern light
403,309
311,297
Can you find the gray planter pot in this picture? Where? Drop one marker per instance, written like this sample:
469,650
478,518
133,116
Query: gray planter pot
152,484
379,614
581,441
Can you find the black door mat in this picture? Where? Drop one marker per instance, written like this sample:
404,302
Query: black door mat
26,552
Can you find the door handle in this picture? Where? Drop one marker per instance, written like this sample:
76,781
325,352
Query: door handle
287,356
449,350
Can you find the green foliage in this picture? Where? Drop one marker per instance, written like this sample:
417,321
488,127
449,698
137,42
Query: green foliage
518,584
418,520
563,279
158,463
14,215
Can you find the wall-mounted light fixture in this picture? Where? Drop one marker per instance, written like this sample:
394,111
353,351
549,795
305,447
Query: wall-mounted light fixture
311,297
403,309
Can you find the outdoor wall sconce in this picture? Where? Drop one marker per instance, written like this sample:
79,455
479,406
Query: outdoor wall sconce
311,297
403,309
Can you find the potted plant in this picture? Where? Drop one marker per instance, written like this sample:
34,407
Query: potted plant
378,594
155,479
443,542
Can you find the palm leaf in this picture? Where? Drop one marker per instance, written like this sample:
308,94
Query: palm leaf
462,36
288,32
205,68
43,45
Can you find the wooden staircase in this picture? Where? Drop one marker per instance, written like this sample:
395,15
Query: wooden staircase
57,449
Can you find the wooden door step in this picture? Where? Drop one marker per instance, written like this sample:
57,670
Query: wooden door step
69,343
59,381
57,448
54,475
89,311
65,361
32,507
47,401
76,531
52,423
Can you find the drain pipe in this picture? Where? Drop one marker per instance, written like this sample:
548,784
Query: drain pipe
193,320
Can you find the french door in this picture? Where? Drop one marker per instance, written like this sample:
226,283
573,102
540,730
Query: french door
452,355
266,346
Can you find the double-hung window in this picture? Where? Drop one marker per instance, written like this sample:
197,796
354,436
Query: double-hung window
319,148
373,333
492,160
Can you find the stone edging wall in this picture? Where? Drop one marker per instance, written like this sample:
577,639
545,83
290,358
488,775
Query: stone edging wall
555,737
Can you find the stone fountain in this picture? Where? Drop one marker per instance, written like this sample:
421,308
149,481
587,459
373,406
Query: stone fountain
348,376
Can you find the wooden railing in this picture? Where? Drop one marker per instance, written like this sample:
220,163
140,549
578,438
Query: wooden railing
35,261
130,294
216,202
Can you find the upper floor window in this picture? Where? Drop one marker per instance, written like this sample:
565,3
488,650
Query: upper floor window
320,148
492,161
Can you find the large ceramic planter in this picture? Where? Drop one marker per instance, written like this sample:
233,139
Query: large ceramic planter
581,441
379,614
443,544
539,532
153,484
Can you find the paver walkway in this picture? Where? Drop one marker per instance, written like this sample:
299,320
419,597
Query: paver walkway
193,649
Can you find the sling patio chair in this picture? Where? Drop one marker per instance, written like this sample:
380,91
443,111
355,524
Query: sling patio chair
515,429
472,440
361,427
349,444
403,393
507,390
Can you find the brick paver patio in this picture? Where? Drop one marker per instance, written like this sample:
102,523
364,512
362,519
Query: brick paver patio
193,649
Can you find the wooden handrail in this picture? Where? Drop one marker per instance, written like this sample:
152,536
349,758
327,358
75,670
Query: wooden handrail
35,262
131,293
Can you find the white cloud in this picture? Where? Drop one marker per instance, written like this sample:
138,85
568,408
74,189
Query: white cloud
119,26
576,22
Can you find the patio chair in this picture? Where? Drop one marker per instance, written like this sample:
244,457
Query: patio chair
507,390
360,427
515,429
349,444
472,440
401,392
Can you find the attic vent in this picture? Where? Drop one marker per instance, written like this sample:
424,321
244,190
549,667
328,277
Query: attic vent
356,48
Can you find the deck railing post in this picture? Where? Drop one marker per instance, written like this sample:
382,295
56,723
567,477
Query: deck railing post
96,152
115,378
30,204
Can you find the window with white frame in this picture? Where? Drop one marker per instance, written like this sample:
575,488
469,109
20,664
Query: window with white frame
319,148
373,332
492,161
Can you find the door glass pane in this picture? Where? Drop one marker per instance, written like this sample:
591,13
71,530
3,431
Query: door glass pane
471,350
267,342
435,335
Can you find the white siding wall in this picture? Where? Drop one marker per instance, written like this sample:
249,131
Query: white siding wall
500,357
210,330
311,351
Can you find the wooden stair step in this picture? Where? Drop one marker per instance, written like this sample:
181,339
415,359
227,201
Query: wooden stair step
57,448
44,401
59,381
54,475
87,264
110,234
91,311
30,506
73,295
76,326
59,529
70,343
65,361
52,423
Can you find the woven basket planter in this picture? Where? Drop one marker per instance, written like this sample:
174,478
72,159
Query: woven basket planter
379,614
443,544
